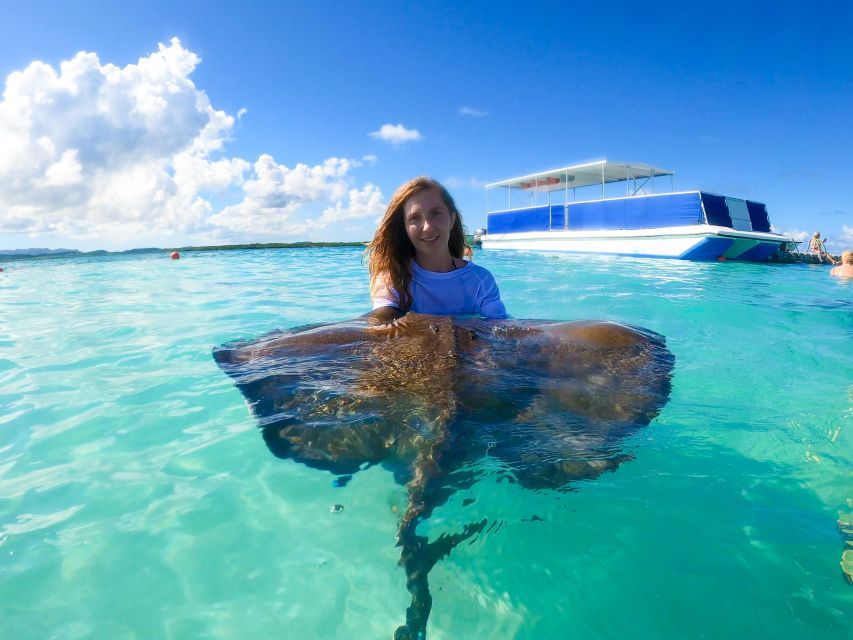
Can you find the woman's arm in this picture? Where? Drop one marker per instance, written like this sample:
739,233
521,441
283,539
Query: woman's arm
382,294
383,315
491,305
386,305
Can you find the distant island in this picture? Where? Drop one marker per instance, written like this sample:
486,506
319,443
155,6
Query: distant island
270,245
35,253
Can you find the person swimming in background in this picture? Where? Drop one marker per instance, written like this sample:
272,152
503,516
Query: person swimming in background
817,247
416,259
846,267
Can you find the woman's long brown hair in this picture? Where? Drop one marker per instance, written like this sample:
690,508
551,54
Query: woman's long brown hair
390,253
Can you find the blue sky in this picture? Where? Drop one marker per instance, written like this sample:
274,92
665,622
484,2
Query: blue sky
231,122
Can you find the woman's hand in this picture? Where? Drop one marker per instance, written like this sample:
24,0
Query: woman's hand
383,315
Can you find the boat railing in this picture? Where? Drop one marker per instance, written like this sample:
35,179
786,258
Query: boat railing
591,181
560,203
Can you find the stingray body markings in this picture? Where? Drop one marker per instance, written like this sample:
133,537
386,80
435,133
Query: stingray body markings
426,394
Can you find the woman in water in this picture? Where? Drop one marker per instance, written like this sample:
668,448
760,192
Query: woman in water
416,259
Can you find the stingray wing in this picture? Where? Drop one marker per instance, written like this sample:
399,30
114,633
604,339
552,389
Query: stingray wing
339,396
553,401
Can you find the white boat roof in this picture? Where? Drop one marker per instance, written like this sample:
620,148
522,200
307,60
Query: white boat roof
583,175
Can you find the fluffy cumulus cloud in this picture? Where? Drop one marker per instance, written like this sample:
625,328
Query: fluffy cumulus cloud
795,234
841,240
396,134
836,242
92,150
275,193
362,203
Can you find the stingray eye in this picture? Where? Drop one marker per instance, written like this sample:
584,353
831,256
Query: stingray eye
433,327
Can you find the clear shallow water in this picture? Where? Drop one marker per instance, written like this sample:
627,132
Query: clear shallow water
137,499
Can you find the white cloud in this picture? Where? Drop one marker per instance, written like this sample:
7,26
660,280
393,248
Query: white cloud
366,203
66,171
454,182
396,134
835,243
92,150
795,234
276,193
472,112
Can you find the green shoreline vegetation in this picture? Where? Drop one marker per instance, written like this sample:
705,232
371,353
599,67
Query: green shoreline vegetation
271,245
46,254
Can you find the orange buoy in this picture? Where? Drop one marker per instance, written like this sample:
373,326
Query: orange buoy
174,255
721,258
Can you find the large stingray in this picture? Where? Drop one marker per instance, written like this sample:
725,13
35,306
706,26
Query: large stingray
426,394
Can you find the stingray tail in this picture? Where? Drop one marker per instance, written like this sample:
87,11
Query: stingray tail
426,465
418,558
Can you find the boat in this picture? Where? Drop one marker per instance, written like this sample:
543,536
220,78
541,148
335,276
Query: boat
621,208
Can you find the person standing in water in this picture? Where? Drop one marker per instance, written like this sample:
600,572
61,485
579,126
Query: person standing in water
416,259
845,269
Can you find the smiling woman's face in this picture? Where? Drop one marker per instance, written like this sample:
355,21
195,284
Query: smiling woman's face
428,223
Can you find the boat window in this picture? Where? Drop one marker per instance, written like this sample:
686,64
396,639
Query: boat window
716,210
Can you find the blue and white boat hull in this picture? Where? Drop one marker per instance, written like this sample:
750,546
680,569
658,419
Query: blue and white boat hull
694,242
541,212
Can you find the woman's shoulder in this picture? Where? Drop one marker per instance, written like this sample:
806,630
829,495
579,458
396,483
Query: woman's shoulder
479,271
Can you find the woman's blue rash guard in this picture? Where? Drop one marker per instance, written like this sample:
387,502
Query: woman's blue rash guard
467,291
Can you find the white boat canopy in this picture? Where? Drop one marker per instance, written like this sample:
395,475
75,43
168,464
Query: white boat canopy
600,172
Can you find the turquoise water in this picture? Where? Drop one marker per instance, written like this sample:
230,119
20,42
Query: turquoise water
137,499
